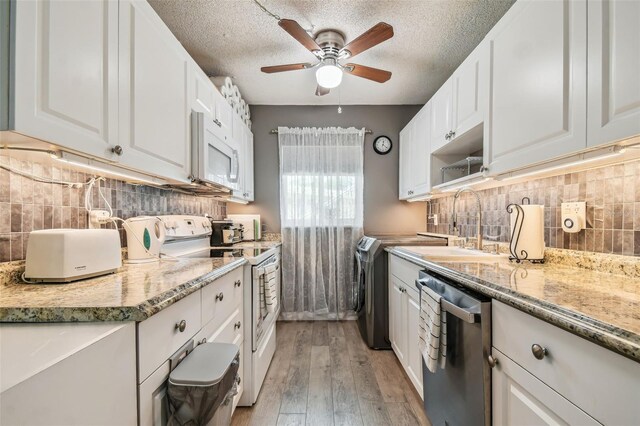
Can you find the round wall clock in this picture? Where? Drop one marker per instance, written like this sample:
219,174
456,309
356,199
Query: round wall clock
382,145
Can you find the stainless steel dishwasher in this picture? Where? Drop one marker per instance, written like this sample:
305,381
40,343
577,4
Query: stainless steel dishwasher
460,394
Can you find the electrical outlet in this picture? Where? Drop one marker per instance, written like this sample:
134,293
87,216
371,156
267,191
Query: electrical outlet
98,217
573,216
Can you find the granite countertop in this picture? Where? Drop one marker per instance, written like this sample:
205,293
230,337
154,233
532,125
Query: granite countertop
257,244
133,293
602,307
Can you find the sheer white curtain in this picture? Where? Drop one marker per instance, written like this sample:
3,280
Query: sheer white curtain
321,178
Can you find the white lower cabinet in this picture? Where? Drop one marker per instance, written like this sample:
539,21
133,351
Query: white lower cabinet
519,398
573,381
404,313
68,374
212,314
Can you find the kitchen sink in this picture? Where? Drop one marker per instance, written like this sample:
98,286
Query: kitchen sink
453,254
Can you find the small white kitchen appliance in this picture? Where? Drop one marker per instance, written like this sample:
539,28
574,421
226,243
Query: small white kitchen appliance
251,223
145,236
64,255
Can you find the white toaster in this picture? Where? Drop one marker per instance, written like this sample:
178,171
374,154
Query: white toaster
63,255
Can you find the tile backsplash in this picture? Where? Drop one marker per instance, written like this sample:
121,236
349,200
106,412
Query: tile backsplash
612,194
27,205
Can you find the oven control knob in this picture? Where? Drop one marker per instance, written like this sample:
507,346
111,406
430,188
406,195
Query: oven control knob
219,296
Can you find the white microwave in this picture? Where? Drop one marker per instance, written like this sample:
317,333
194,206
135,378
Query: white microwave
215,157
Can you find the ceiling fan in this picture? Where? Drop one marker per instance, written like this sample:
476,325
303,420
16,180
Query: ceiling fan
329,48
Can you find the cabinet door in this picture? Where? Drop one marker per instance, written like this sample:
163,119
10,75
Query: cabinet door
154,94
224,114
613,70
414,357
397,318
249,165
538,83
441,115
519,398
404,169
66,74
470,90
419,161
202,92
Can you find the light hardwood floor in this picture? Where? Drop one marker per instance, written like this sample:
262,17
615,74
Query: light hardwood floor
323,374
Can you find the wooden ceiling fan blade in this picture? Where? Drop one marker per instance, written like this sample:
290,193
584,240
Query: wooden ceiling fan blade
374,36
282,68
369,73
321,91
297,32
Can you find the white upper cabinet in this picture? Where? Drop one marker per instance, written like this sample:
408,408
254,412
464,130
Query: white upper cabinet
203,96
538,83
613,70
224,114
441,115
404,176
470,91
244,140
66,74
154,94
414,177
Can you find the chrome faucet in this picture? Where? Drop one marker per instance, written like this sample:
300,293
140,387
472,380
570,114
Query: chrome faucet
478,215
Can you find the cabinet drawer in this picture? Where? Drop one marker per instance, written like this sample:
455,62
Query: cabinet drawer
222,296
227,332
404,270
599,381
159,336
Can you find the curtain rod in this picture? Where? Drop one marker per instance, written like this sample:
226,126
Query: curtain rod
366,131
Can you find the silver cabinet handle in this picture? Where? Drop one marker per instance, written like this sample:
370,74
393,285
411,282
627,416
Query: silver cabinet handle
453,134
181,326
203,341
238,380
538,351
237,283
219,296
237,325
492,361
117,150
215,120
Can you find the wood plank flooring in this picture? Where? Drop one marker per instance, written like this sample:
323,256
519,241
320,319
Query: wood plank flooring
324,374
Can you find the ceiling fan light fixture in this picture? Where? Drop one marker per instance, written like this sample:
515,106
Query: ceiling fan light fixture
329,76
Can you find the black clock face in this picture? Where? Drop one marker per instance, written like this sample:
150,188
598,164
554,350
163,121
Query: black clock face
382,145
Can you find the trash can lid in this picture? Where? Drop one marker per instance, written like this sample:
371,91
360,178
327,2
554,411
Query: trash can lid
206,365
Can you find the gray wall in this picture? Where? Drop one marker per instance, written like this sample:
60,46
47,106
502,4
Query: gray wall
383,213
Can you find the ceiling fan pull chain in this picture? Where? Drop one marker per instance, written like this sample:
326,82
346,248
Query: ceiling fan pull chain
267,11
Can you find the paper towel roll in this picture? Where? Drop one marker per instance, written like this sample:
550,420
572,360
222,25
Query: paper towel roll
531,238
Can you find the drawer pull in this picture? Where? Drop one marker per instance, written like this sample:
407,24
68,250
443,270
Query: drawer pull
203,341
492,361
237,325
181,326
538,351
237,283
219,296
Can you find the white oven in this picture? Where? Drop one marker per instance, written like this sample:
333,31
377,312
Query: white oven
214,153
263,326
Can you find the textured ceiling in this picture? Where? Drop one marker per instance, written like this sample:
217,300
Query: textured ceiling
236,38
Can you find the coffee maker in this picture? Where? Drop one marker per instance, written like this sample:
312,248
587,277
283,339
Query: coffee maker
225,233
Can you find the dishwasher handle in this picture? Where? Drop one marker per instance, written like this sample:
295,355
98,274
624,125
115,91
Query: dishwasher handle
458,312
461,305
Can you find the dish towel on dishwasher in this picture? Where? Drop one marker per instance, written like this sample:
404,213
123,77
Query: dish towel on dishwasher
432,330
270,283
